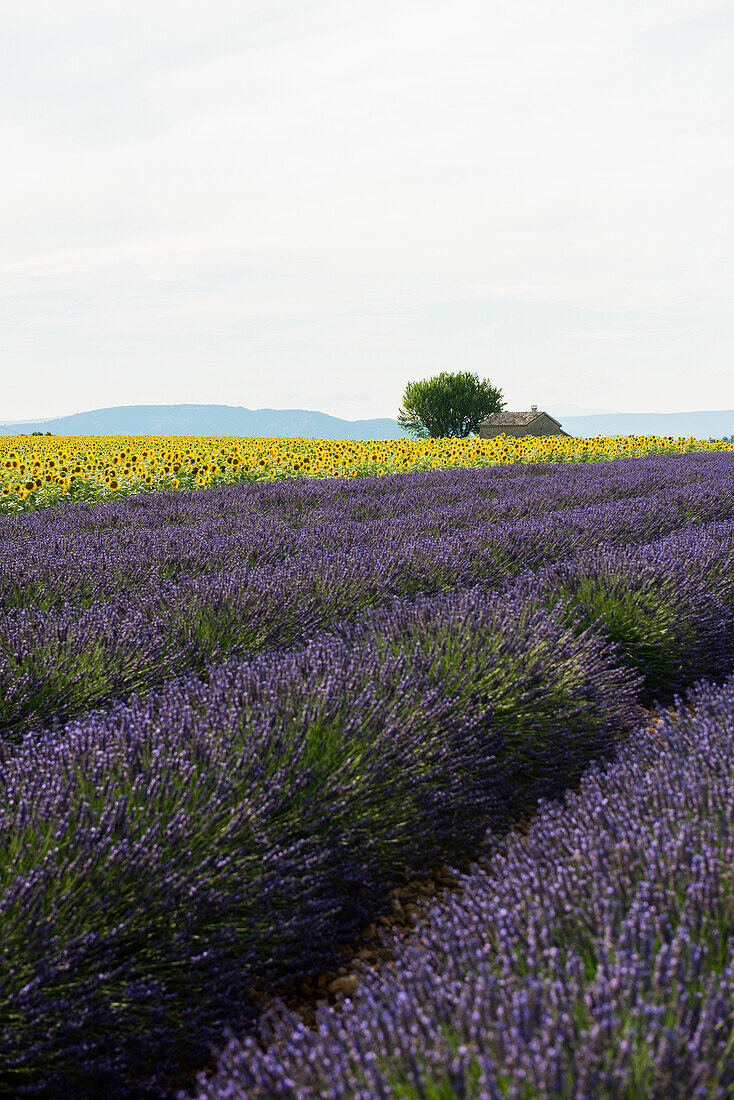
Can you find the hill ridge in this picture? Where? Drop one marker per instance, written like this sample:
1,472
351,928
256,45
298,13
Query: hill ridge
236,420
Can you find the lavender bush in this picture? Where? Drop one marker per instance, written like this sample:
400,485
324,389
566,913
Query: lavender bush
112,550
592,958
295,784
63,659
302,690
669,605
162,857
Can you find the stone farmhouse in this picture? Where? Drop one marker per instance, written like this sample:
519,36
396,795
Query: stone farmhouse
520,423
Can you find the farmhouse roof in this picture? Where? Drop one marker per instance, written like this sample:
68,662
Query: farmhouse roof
516,419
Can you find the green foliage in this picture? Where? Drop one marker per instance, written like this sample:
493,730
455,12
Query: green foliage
448,405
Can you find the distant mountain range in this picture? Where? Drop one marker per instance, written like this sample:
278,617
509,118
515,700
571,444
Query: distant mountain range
208,420
237,421
700,425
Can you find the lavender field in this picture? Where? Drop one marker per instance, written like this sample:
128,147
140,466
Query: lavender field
589,959
232,720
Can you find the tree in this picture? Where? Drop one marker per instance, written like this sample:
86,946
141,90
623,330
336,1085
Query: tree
448,404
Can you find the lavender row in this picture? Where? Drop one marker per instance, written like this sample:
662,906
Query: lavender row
162,857
165,855
63,662
137,541
590,958
669,605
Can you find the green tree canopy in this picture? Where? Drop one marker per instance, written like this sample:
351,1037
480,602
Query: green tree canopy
448,405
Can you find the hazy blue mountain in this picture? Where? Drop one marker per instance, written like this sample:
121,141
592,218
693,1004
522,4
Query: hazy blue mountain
701,425
237,421
209,420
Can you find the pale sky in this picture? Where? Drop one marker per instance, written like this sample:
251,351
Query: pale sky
309,204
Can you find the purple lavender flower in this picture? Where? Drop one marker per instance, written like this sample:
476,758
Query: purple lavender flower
592,958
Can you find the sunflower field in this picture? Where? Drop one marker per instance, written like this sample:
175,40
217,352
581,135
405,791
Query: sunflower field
38,472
